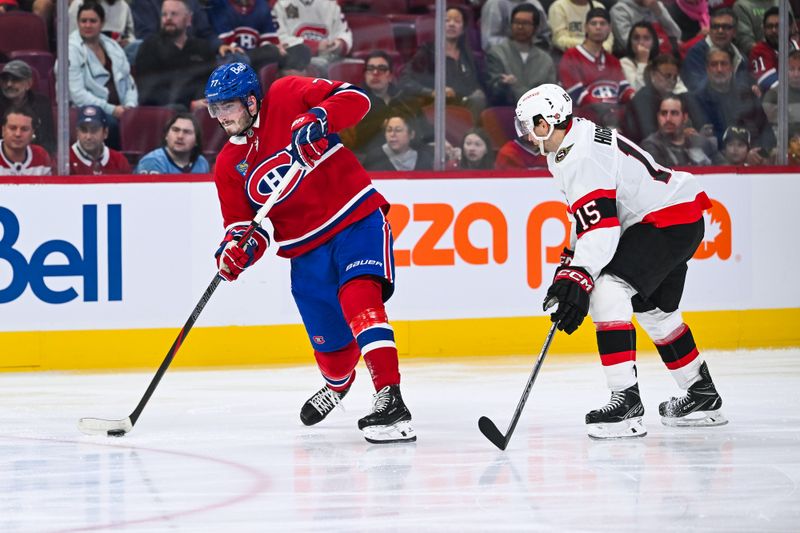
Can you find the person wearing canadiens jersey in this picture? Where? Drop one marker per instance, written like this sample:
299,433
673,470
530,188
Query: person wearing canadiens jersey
330,222
635,225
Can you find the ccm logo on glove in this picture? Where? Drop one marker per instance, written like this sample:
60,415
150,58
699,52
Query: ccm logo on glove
583,280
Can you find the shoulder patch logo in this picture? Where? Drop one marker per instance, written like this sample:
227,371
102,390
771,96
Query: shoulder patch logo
292,12
561,154
241,168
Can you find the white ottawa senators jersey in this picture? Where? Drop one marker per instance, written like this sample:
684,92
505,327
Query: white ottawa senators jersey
611,184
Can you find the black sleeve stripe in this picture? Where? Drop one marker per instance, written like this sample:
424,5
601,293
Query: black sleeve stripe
597,213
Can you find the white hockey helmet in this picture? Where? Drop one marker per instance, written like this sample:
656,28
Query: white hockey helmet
548,100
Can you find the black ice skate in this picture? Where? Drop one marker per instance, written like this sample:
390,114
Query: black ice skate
620,418
699,407
320,405
390,419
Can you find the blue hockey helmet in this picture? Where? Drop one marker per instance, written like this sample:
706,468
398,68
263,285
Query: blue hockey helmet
231,81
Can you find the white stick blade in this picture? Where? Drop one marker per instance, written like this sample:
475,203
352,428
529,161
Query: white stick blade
111,428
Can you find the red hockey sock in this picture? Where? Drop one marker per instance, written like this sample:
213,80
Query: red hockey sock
362,305
339,367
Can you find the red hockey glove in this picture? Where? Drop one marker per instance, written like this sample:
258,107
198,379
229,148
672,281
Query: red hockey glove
232,259
570,289
309,132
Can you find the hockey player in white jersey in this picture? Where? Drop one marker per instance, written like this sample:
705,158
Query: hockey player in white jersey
635,224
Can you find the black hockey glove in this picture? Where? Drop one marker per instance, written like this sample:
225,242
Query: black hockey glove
570,289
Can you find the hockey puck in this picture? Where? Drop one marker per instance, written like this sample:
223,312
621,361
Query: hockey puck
116,432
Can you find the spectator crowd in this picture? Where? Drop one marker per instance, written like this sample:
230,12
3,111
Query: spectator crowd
693,81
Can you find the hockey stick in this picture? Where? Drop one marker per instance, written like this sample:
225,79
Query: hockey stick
488,428
118,428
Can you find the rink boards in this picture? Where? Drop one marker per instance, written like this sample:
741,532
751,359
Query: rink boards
102,274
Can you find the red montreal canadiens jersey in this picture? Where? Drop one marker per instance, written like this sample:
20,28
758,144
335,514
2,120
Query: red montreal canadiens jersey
592,80
36,162
764,64
611,184
322,201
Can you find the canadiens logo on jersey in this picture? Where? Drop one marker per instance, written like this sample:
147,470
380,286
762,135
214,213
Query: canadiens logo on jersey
266,176
561,154
605,91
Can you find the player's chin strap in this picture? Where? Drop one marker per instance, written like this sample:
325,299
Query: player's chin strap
540,140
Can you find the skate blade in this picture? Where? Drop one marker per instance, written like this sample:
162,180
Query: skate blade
398,432
696,419
630,428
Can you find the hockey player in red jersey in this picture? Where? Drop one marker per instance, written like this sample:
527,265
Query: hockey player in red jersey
635,224
329,221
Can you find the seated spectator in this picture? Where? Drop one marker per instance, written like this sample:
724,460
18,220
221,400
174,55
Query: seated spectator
247,29
626,13
147,20
18,156
736,145
180,151
794,145
118,22
89,154
496,16
770,102
661,78
518,154
476,151
463,85
725,102
592,76
99,72
172,67
384,97
318,24
16,82
721,33
764,54
692,18
750,22
675,144
641,49
514,63
566,20
398,152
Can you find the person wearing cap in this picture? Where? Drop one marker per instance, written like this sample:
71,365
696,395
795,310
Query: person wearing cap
736,145
18,155
180,151
593,77
89,155
566,19
16,82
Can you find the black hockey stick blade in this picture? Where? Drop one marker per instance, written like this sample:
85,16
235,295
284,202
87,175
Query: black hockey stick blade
488,428
490,431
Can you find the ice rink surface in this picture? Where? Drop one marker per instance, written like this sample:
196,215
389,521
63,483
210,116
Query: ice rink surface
224,451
